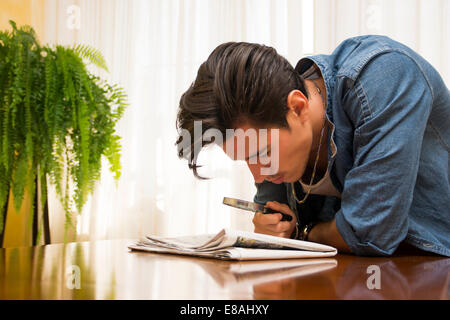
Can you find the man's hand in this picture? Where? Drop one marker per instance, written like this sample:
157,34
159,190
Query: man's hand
271,223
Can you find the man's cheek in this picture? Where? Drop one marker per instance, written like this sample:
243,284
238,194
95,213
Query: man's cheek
273,158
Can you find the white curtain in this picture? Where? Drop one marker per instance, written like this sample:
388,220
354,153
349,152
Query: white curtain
154,48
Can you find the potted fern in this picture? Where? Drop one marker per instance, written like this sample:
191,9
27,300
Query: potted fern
57,120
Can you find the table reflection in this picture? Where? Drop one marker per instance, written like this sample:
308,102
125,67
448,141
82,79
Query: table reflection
108,270
408,277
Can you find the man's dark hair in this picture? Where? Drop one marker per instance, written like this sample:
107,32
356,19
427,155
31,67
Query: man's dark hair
239,83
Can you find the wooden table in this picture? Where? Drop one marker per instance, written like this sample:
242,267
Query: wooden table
108,270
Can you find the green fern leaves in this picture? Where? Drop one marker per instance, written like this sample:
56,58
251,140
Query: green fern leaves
55,115
92,55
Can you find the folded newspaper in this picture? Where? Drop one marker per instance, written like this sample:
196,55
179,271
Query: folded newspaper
235,245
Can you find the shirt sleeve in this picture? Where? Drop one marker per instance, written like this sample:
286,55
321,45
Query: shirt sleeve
268,191
390,103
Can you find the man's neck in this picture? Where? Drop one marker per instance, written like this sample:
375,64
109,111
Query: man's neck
322,163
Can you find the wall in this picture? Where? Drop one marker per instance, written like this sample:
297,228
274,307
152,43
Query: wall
22,12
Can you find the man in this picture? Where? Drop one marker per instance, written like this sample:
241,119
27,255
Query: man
362,141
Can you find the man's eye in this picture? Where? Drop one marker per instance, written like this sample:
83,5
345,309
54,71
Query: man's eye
265,157
265,154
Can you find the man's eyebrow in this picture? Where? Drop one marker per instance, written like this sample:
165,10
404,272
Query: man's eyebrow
257,153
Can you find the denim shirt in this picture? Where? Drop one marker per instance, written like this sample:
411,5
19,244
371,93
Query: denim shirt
390,115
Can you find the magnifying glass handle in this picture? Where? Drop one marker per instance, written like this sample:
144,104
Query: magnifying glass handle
285,217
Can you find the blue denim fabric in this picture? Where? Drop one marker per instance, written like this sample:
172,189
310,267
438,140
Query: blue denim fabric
390,111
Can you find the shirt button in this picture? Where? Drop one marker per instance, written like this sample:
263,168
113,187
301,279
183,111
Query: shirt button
428,245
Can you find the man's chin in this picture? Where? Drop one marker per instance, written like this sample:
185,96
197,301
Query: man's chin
292,179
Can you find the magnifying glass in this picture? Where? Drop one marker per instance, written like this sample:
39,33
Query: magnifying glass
252,206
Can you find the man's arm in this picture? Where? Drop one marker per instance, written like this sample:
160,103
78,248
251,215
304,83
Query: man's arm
327,233
389,111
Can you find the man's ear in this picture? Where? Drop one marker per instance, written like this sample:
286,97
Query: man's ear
298,104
